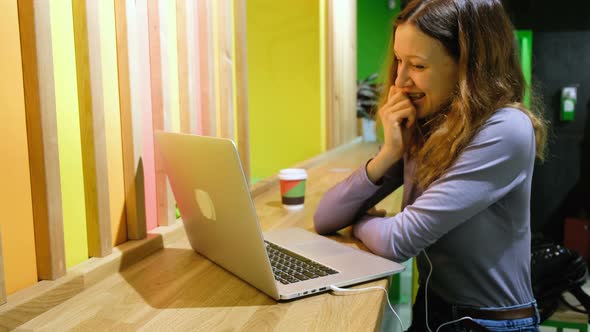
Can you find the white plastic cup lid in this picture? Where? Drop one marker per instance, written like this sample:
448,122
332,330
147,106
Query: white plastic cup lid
293,174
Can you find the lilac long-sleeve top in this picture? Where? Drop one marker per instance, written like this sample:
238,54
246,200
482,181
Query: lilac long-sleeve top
473,221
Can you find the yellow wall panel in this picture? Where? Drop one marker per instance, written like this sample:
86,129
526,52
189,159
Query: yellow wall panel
68,123
284,103
18,243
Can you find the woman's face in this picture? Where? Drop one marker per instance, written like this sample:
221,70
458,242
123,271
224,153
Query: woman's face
425,71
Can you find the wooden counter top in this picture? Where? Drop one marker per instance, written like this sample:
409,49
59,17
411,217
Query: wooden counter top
175,289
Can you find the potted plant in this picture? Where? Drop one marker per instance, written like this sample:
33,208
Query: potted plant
367,94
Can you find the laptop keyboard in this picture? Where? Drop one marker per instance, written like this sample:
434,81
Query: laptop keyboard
289,267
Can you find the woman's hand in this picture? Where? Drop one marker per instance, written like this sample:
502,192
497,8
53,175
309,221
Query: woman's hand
398,116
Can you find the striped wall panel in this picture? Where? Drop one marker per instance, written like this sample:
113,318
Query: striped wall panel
129,64
98,78
18,242
68,130
42,133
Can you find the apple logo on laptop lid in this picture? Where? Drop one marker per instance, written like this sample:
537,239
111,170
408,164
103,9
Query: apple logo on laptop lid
205,204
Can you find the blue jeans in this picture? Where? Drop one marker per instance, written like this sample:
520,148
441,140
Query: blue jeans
440,312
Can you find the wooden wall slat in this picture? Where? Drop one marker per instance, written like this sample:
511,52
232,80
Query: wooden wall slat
68,125
241,83
42,134
223,67
331,113
169,57
169,67
145,101
163,205
112,113
206,63
341,75
92,127
193,67
183,66
18,241
129,59
347,26
225,99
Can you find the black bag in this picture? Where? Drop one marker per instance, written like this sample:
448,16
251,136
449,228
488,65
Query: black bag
554,270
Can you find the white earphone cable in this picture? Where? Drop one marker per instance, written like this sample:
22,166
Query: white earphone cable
343,291
426,299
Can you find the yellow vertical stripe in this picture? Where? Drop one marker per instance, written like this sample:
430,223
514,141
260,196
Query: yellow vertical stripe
68,126
112,118
18,243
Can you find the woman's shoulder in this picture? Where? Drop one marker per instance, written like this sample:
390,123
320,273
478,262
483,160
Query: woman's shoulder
508,129
509,118
508,122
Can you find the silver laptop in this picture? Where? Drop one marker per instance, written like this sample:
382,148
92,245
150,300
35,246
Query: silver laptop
220,220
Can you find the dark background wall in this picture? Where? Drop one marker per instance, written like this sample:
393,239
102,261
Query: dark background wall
561,56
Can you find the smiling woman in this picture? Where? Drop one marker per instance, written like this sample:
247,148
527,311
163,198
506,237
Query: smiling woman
460,140
466,70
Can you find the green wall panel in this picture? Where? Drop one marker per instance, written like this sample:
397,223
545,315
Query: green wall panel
374,20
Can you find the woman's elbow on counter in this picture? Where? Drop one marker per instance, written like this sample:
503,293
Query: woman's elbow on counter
320,223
